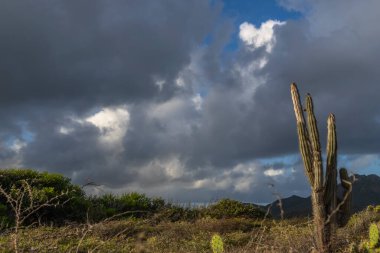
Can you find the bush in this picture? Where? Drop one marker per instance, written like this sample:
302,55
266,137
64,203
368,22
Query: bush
175,213
228,208
130,205
4,218
78,207
44,186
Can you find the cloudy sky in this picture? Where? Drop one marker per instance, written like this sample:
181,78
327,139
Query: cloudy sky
188,100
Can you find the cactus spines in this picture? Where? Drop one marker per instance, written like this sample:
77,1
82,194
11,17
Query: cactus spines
324,187
217,244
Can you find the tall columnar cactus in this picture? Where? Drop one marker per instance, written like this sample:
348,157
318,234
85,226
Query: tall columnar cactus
328,211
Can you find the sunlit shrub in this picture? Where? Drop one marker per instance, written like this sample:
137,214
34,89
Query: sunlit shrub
228,208
44,186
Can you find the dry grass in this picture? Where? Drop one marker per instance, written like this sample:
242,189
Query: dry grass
136,235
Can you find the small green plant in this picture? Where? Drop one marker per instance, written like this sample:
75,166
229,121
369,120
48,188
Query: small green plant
373,236
371,245
217,244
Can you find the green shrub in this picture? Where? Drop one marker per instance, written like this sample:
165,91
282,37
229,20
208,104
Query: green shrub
79,207
4,218
129,204
175,213
44,186
158,204
135,202
228,208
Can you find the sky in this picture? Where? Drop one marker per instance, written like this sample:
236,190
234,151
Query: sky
187,100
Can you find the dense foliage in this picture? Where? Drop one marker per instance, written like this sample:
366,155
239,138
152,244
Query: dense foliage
126,205
40,187
228,208
73,205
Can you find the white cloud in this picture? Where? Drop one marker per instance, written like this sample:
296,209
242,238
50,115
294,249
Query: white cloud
240,179
162,169
197,100
273,172
173,168
15,160
17,145
173,114
180,82
113,125
65,130
258,37
159,83
167,109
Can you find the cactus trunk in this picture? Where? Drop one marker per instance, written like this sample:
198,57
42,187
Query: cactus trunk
323,188
345,209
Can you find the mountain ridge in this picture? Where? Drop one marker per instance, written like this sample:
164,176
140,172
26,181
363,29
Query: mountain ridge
365,192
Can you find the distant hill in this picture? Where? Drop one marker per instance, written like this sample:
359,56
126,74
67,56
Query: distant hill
366,191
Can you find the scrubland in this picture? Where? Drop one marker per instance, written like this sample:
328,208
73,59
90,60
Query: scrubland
157,235
44,212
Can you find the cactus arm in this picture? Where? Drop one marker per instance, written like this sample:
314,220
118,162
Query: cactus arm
315,145
331,173
319,211
303,138
345,205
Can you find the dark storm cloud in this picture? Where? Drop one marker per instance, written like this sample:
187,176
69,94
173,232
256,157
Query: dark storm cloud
78,155
203,133
96,51
337,63
78,56
338,66
62,60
